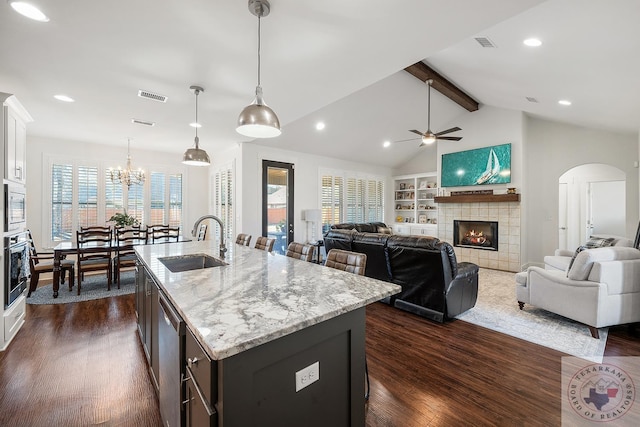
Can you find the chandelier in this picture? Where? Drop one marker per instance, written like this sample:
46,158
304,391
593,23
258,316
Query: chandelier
127,176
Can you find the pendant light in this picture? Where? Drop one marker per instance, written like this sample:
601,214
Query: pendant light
196,156
257,120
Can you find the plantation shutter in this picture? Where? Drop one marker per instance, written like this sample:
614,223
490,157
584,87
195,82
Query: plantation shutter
175,199
135,202
87,196
223,202
113,197
157,212
61,202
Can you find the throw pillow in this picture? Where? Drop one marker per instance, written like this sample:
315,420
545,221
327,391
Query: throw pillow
593,242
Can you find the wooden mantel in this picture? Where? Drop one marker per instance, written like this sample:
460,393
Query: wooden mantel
478,198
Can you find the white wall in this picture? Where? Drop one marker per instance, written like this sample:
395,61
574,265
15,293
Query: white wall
248,158
195,181
551,149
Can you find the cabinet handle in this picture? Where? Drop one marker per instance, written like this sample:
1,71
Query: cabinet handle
192,362
184,378
210,409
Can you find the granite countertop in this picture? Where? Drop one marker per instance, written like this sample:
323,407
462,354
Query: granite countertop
258,297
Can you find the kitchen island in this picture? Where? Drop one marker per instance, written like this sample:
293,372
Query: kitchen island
268,339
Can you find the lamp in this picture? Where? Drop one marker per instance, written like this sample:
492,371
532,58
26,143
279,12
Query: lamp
257,120
196,156
127,176
313,216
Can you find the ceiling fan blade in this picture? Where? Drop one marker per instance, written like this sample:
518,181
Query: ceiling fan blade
449,138
444,132
405,140
417,132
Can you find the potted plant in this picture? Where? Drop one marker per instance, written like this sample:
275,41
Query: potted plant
123,219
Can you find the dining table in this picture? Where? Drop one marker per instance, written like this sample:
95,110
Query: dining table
63,249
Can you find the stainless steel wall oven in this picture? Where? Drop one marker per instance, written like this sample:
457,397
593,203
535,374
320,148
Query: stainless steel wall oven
16,266
15,208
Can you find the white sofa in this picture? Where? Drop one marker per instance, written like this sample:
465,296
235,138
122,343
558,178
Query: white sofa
562,257
601,289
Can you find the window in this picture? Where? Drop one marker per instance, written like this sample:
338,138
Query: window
157,214
135,202
79,198
331,204
349,198
166,199
61,202
223,201
113,200
175,199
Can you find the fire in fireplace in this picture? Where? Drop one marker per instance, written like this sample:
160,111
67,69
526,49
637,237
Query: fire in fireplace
476,234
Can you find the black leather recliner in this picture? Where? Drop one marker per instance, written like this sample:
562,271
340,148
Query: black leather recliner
434,285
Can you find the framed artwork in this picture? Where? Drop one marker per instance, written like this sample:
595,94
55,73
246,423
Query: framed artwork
422,219
488,165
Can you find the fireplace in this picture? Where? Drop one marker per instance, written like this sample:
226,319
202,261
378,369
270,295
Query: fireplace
476,234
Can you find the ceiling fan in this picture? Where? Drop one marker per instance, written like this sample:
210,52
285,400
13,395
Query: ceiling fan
429,137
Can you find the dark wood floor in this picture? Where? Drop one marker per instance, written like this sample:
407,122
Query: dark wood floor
81,364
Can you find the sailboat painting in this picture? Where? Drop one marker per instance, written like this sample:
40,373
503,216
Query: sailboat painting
487,165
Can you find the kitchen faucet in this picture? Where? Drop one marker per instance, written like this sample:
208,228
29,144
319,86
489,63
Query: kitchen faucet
223,248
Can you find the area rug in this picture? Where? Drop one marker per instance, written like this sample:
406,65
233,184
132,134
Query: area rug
93,287
497,309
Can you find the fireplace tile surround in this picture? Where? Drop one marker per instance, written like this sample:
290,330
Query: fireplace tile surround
507,257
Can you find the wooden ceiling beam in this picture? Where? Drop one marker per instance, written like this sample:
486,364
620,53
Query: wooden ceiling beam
423,72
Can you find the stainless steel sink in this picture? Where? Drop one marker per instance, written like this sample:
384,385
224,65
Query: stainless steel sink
180,263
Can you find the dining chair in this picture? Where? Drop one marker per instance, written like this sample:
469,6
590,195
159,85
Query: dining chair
300,251
243,239
202,232
356,263
42,262
163,233
265,243
126,239
94,253
95,228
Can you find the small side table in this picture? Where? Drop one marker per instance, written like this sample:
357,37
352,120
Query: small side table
318,245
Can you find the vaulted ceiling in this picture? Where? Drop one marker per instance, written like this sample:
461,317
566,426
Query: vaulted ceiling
336,61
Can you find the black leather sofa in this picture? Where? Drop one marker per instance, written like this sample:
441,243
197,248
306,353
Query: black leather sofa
434,285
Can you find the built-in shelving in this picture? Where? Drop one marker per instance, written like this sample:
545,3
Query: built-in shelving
415,208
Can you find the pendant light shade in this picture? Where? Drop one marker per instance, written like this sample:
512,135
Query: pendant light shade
196,156
257,120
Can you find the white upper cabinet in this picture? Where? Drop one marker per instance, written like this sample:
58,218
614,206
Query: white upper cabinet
14,118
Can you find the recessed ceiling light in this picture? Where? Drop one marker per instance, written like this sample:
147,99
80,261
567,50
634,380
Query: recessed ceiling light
564,102
320,125
29,10
532,42
386,144
195,125
64,98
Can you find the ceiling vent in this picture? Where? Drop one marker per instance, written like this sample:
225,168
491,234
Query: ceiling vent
532,99
151,95
142,122
485,42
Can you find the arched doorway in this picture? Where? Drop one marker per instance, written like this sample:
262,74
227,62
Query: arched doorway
591,201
